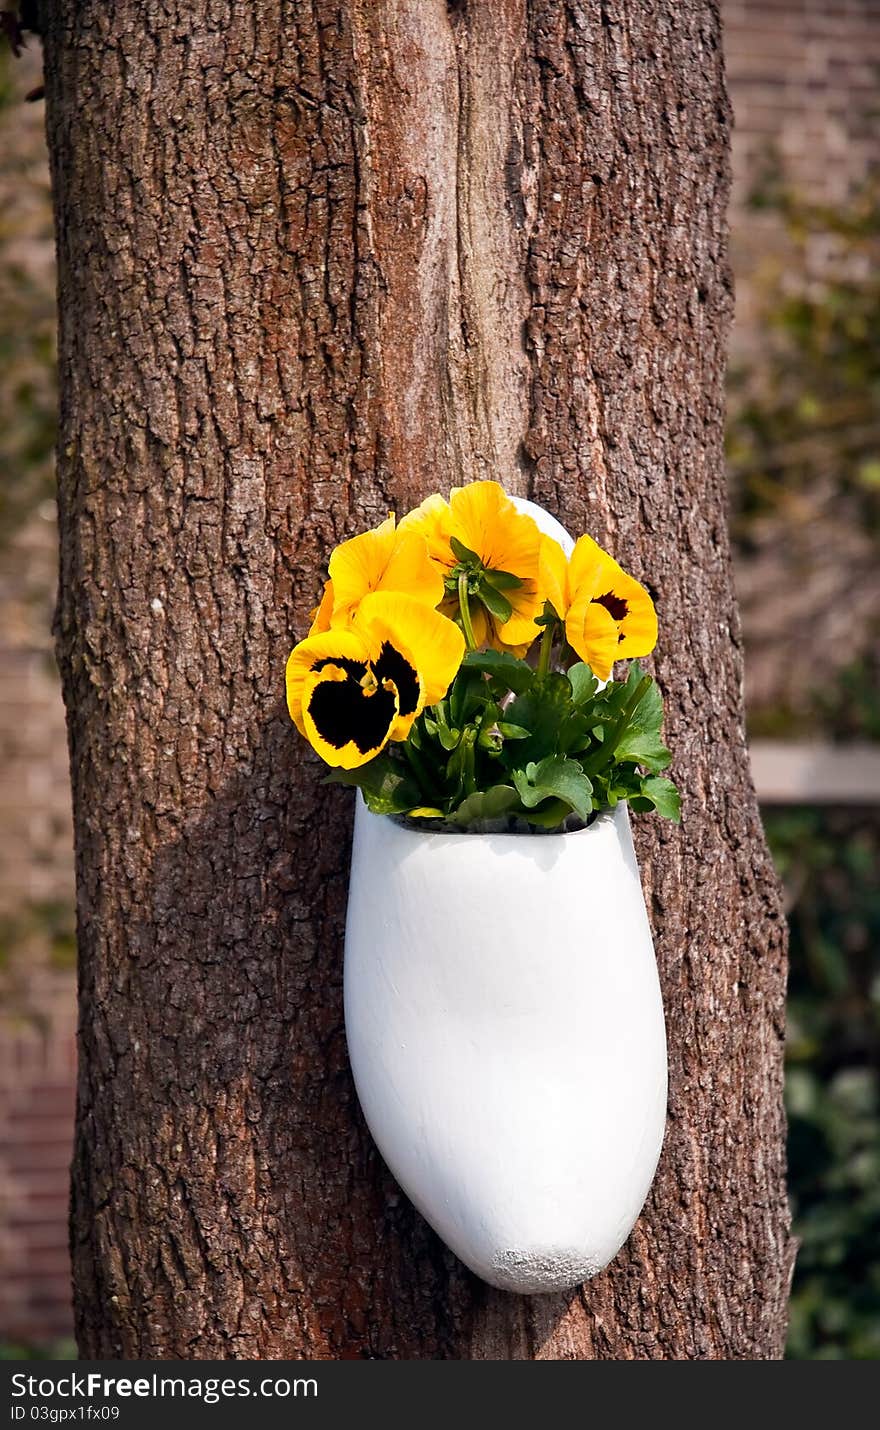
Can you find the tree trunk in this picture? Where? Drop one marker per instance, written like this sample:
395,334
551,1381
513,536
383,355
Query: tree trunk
316,261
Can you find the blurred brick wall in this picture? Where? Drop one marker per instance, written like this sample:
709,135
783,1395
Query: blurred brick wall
37,1001
805,74
37,1071
804,77
37,1062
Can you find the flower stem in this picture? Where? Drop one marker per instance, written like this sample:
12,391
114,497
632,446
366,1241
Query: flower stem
465,610
546,648
469,740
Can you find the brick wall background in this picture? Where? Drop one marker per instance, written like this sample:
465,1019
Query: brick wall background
805,80
37,1006
37,1002
805,76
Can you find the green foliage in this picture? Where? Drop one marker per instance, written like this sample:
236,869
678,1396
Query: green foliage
386,783
829,861
805,413
555,778
846,708
511,745
54,1350
849,708
47,925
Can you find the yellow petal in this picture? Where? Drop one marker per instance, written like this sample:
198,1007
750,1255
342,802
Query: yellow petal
586,565
328,645
592,632
633,610
553,576
431,643
357,566
519,651
323,611
487,522
411,570
432,520
348,717
592,572
520,630
384,559
482,625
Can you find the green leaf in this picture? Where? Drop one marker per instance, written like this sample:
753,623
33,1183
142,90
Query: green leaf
558,778
639,738
494,731
583,683
386,787
464,553
439,726
574,735
490,739
548,815
646,748
441,712
513,674
648,714
543,710
466,695
663,796
502,580
625,780
609,703
496,604
492,803
461,770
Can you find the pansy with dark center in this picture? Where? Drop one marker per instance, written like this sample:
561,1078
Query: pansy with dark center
351,690
349,703
606,613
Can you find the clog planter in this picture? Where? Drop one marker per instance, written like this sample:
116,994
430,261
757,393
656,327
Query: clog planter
506,1034
502,1005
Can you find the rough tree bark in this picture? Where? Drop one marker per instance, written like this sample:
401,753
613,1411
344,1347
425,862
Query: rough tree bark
315,261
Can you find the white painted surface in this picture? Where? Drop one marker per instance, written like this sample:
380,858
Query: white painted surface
545,522
506,1035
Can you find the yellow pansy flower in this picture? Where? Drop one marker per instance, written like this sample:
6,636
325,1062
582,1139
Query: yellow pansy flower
353,688
482,518
607,614
386,558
